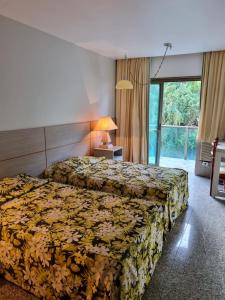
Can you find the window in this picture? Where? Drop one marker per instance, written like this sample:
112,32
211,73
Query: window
174,106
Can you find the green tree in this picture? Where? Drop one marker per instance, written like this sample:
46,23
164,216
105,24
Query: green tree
181,103
180,108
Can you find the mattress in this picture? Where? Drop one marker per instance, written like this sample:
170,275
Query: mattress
167,185
62,242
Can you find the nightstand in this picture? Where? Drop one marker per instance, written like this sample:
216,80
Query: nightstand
116,152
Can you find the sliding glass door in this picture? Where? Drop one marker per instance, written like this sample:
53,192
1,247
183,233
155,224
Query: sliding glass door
173,119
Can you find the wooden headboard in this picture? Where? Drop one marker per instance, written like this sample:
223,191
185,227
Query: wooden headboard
32,150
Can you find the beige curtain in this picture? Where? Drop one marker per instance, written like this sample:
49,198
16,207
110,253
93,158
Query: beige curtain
132,108
212,115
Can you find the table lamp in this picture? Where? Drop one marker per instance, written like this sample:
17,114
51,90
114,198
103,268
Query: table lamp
105,124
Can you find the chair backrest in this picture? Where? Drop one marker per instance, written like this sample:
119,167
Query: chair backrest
213,153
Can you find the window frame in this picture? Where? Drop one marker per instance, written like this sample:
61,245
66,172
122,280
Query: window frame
161,82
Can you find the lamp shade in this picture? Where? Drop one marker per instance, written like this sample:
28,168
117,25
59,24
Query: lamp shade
105,123
124,85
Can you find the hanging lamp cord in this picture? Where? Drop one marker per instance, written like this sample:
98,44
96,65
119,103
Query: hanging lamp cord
167,45
160,65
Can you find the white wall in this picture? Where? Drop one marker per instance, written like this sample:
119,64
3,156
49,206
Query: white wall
46,81
178,65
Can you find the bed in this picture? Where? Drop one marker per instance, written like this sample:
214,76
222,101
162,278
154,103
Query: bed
60,242
166,185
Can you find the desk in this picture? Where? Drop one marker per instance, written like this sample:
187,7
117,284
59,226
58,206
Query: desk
220,154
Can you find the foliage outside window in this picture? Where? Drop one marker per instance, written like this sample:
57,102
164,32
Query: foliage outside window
181,104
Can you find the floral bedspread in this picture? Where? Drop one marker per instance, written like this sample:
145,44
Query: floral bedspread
167,185
62,242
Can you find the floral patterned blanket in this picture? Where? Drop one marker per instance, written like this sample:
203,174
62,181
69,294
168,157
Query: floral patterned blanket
62,242
167,185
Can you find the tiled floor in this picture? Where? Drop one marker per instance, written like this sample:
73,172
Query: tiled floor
169,162
192,265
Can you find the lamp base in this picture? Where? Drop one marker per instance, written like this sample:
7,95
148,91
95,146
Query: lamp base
106,141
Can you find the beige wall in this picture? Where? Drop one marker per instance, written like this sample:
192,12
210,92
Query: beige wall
45,80
178,65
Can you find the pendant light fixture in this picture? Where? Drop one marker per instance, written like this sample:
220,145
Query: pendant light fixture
125,84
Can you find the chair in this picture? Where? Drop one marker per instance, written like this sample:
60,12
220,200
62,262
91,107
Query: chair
222,167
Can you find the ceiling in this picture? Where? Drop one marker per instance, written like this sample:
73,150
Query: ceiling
136,27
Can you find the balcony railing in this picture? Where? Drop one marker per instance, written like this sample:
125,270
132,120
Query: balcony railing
178,141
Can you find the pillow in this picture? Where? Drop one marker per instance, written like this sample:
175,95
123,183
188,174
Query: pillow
12,187
84,161
67,166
